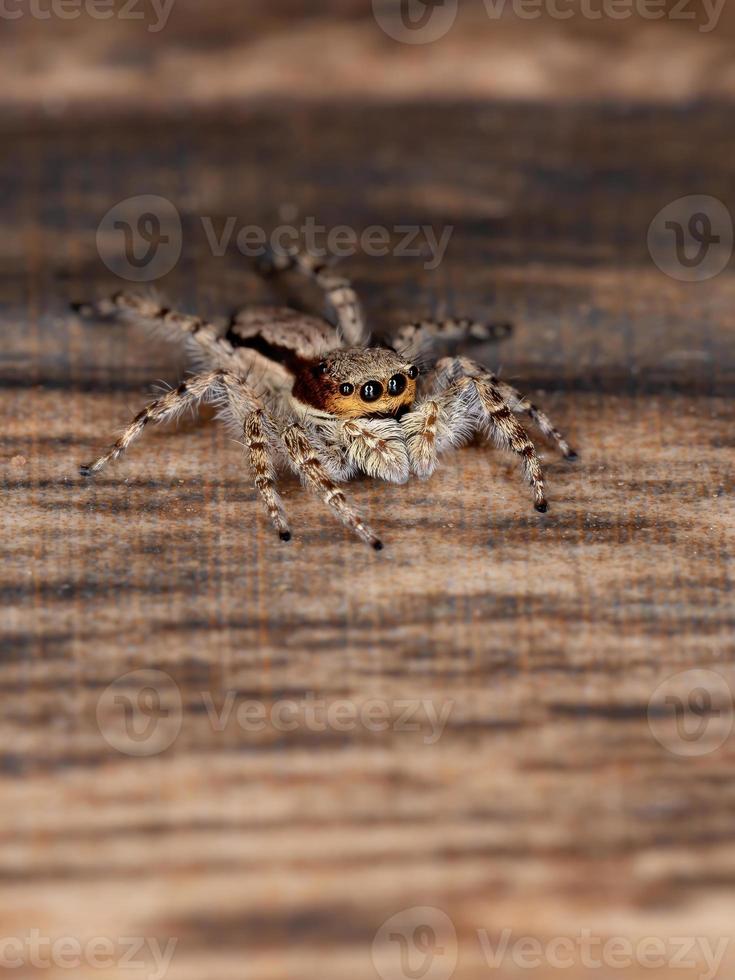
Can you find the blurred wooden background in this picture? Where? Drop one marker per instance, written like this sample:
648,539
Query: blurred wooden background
156,54
549,803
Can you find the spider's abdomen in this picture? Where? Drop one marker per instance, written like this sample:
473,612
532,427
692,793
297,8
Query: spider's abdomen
289,336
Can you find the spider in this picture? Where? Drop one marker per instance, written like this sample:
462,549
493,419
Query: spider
309,394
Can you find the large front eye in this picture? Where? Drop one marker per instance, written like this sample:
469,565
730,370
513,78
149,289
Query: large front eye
371,391
397,384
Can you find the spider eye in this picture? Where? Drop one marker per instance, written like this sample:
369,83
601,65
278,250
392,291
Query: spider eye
397,384
371,391
413,373
319,370
346,388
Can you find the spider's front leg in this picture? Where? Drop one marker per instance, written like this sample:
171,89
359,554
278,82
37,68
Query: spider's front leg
470,402
307,460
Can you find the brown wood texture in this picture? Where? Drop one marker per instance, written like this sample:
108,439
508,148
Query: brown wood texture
547,805
232,51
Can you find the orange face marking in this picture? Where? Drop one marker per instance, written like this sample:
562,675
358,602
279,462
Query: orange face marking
354,407
358,383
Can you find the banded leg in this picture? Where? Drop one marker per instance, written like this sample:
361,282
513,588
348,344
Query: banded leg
163,409
305,459
454,367
519,403
338,290
508,432
203,339
423,334
259,443
470,402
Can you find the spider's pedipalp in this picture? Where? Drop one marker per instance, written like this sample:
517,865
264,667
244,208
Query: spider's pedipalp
377,448
444,420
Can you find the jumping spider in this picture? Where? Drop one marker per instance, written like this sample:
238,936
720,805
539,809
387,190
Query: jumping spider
312,396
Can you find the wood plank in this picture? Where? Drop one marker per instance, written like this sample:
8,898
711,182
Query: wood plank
545,804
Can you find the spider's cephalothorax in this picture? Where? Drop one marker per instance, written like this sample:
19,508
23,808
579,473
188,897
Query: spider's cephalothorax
358,383
311,395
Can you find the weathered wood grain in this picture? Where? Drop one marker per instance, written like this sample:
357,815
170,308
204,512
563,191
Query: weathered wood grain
157,54
546,806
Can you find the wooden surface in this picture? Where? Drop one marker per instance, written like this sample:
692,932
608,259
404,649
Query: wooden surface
233,51
546,806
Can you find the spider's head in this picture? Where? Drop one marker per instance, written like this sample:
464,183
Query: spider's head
358,382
